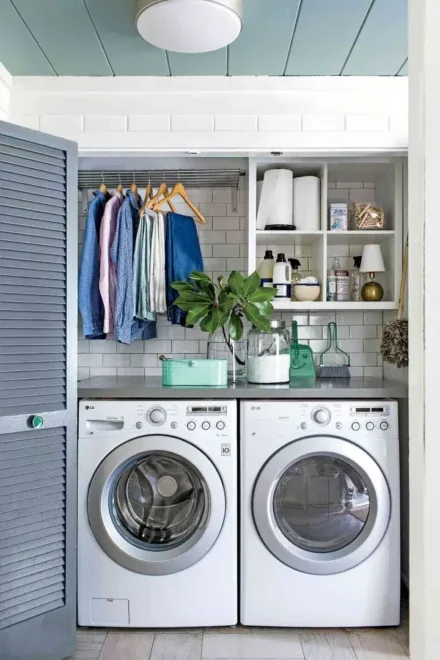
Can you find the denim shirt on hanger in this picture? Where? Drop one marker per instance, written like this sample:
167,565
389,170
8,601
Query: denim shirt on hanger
126,327
89,297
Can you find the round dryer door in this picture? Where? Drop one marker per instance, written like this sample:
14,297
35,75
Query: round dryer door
321,505
156,505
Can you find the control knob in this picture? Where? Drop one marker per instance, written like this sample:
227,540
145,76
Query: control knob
384,426
157,416
355,426
321,416
370,426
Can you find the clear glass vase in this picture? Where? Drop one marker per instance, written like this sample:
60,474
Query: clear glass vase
220,345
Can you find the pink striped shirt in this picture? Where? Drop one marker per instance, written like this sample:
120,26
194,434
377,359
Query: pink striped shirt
107,273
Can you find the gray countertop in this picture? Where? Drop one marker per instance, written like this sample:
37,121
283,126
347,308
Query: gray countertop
127,387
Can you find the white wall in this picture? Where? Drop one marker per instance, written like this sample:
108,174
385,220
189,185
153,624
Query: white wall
5,92
216,113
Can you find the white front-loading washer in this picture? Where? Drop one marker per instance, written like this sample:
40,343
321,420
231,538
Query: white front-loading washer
157,513
320,518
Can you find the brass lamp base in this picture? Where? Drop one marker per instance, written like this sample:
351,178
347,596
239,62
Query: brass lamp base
372,291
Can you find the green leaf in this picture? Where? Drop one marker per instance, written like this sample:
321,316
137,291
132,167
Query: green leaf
198,276
214,320
225,300
220,280
188,300
196,313
262,294
250,285
265,308
235,282
182,286
258,320
235,327
208,288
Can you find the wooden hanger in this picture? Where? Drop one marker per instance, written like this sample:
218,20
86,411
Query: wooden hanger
179,189
103,187
162,191
148,196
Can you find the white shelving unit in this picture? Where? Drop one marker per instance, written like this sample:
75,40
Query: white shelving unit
318,248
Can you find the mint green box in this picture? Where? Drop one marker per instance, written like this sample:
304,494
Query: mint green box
195,373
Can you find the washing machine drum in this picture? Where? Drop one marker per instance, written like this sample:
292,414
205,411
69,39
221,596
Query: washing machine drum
161,499
321,505
156,505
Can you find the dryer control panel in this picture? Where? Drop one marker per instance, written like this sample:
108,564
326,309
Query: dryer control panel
375,418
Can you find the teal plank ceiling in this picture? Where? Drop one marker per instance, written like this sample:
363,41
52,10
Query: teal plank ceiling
127,52
382,44
263,45
66,35
323,38
279,37
204,64
19,51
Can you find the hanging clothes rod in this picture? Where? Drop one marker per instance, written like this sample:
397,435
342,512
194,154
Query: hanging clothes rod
203,178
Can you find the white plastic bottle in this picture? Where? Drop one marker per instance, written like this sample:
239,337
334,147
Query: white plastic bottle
282,274
265,269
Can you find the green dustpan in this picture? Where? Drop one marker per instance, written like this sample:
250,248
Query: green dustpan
301,357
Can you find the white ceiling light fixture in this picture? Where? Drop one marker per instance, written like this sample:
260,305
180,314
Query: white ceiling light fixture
189,26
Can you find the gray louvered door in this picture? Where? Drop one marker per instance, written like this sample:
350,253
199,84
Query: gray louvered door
38,226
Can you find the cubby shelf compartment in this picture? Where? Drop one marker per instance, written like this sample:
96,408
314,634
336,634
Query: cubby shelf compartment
371,179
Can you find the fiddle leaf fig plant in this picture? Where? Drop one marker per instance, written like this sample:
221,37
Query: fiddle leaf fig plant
224,304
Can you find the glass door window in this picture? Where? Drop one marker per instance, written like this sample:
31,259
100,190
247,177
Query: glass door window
321,504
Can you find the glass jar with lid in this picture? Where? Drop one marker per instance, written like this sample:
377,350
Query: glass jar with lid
269,354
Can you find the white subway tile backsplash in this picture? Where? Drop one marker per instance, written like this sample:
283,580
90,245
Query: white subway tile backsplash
130,371
116,360
235,123
279,123
212,237
105,123
343,332
373,372
321,318
61,125
226,222
185,346
102,346
144,360
217,263
363,359
222,194
309,332
367,123
83,373
320,123
236,264
352,345
157,346
90,360
338,195
102,371
372,345
363,332
192,123
170,332
148,123
135,347
83,346
349,318
226,250
235,237
373,318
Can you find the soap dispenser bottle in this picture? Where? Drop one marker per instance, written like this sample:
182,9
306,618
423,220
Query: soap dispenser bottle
295,264
281,277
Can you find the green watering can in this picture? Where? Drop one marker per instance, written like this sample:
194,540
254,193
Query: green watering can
301,357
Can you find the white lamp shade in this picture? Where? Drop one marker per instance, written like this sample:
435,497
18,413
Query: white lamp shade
372,261
189,26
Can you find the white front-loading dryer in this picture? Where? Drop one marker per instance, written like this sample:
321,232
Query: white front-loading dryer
157,513
320,543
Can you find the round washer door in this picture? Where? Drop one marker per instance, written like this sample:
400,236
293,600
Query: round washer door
156,504
321,505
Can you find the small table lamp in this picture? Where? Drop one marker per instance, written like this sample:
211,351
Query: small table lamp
372,263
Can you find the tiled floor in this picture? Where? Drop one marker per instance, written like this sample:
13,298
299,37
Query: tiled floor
245,644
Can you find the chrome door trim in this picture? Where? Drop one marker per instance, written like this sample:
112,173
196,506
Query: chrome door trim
130,556
319,563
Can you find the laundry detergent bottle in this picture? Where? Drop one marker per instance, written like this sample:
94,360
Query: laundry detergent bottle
282,274
265,269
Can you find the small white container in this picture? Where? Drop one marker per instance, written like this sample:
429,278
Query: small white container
307,292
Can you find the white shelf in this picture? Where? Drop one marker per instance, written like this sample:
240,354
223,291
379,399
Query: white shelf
287,237
359,237
291,306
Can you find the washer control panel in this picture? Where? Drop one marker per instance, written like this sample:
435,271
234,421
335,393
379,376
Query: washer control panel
204,420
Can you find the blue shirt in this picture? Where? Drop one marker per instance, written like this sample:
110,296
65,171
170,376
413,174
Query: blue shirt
126,327
90,302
